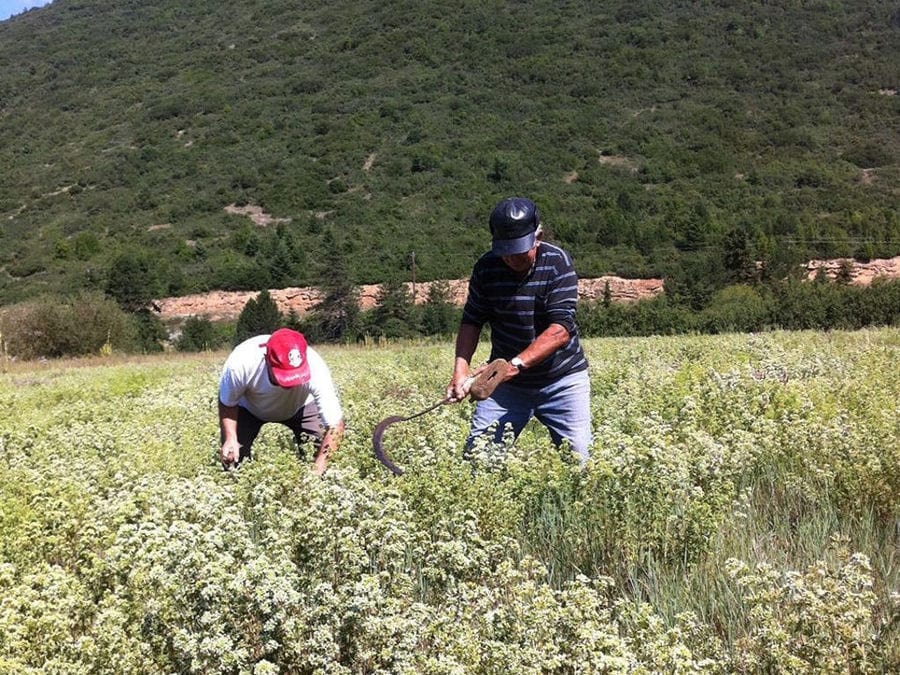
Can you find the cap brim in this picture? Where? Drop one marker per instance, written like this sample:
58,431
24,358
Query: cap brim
513,246
290,377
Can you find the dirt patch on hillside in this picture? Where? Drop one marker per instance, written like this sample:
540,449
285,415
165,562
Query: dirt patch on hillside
255,213
618,162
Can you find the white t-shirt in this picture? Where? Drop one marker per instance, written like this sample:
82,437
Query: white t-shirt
245,382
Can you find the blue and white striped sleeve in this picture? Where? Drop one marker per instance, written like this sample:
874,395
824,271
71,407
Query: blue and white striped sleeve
563,295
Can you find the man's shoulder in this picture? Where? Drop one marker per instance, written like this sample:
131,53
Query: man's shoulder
313,356
320,372
553,251
255,341
250,350
556,258
486,260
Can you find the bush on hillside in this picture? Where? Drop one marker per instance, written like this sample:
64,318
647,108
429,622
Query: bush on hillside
877,305
133,280
791,305
658,316
735,309
199,334
394,314
439,316
152,333
53,326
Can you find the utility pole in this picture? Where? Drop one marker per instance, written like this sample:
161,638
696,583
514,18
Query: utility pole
413,265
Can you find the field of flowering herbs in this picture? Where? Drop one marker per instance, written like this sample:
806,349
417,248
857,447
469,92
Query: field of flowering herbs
740,515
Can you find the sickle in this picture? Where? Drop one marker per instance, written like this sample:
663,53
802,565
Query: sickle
384,424
377,434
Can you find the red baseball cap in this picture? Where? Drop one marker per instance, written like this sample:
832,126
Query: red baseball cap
286,356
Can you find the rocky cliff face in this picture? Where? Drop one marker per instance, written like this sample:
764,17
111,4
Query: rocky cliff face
223,305
860,274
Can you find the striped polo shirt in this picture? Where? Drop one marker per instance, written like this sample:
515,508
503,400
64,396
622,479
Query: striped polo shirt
519,309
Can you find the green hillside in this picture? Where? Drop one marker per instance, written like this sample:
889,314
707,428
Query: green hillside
653,134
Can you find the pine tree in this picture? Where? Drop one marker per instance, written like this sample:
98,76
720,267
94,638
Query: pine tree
336,317
395,314
197,334
439,316
260,316
737,258
132,281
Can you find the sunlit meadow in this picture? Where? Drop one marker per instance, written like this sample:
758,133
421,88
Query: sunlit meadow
740,514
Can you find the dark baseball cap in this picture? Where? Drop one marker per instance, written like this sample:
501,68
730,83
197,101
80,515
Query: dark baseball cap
514,223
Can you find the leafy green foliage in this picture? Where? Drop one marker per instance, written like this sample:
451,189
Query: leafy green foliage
336,317
260,316
133,281
394,315
648,132
200,334
51,327
792,305
152,333
439,315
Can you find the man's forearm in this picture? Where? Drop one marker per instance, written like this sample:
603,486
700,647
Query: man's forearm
554,337
228,415
331,438
466,344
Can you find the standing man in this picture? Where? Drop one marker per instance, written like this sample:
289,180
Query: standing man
278,378
526,290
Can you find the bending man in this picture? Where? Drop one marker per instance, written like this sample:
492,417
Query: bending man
278,378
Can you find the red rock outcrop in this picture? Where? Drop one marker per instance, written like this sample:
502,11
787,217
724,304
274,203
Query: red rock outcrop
859,273
223,305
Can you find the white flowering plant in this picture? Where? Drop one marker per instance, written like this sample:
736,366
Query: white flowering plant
738,515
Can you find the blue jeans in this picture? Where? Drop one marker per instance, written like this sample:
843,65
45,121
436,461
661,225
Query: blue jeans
562,406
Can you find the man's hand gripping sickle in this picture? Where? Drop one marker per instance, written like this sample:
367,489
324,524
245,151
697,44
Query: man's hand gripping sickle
481,383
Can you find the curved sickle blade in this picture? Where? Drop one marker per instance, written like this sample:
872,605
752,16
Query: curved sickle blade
384,424
380,454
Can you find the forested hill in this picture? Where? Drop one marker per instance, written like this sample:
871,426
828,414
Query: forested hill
659,138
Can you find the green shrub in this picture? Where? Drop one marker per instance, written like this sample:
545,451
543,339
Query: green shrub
658,316
152,332
439,315
735,309
200,334
817,621
133,280
54,326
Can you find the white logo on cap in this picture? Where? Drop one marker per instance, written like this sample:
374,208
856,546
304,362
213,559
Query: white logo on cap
295,359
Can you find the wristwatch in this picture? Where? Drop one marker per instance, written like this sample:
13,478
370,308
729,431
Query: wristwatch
517,363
